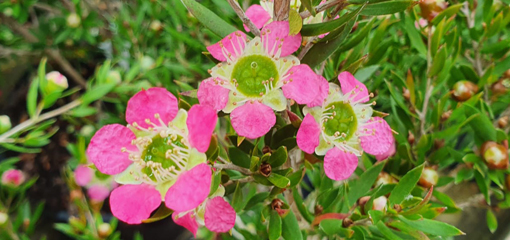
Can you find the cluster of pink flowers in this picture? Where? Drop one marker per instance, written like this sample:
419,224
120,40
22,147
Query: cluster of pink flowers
98,185
160,156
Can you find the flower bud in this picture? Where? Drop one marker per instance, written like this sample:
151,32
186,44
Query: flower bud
428,178
431,8
411,138
463,90
113,77
55,82
73,20
495,155
4,217
446,115
8,12
147,63
104,230
384,178
347,222
500,87
406,94
318,209
13,177
156,26
507,73
87,131
5,123
503,122
379,203
265,169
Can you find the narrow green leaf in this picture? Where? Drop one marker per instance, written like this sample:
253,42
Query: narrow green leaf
97,92
279,157
432,227
492,221
334,226
238,157
257,198
274,226
308,5
387,232
438,62
278,180
290,228
237,200
481,124
162,213
405,185
358,38
361,186
209,19
388,7
375,215
301,206
415,37
325,27
32,97
447,13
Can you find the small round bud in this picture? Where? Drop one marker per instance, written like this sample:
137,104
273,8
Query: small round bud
147,63
362,201
276,204
5,123
507,74
464,90
410,138
499,87
495,155
76,194
55,82
4,217
446,115
347,222
8,12
87,131
428,178
73,20
266,149
156,26
13,178
397,207
379,203
265,169
384,178
503,122
114,77
318,209
104,230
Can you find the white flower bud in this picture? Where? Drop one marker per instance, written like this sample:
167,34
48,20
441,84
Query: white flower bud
73,20
3,218
147,63
114,77
5,123
104,230
55,81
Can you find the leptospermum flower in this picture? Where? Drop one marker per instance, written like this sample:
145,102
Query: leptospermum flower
256,77
98,185
158,157
215,213
343,127
13,178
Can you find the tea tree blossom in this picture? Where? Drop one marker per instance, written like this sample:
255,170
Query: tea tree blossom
215,213
98,185
343,127
158,157
13,178
257,77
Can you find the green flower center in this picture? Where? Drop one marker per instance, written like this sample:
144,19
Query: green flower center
163,151
253,73
341,121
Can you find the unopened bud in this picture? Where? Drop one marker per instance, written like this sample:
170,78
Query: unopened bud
446,115
266,149
4,217
347,222
76,194
379,203
87,130
147,63
26,223
55,82
406,94
276,204
464,90
431,8
507,74
265,169
77,223
384,178
114,77
397,207
73,20
13,178
104,230
8,12
156,26
500,87
5,123
428,178
495,155
438,143
503,122
362,201
318,209
410,138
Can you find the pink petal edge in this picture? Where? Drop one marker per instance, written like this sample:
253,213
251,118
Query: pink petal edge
190,189
212,94
348,83
232,44
146,103
98,192
323,92
188,221
339,165
381,141
134,203
258,15
308,134
201,122
219,215
83,175
301,84
276,34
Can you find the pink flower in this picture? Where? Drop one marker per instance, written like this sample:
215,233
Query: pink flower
99,185
13,178
215,213
158,157
343,127
257,77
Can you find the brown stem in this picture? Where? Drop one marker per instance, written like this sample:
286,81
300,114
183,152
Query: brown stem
232,167
281,10
240,13
321,7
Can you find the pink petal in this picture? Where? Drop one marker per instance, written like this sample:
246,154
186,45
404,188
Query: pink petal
13,177
190,189
301,84
105,147
83,175
339,165
98,192
201,122
253,119
257,15
146,103
212,94
308,134
232,44
219,215
134,203
388,153
381,140
276,35
188,221
349,83
323,92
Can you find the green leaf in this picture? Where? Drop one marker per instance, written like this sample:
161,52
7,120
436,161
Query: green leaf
375,215
162,213
495,27
432,227
388,7
15,148
97,92
308,5
83,111
415,37
334,226
483,185
278,180
447,13
361,186
215,183
492,221
274,226
301,206
209,19
279,157
32,97
256,199
405,185
436,38
290,228
438,62
325,27
41,74
238,157
481,124
295,22
237,200
386,231
358,38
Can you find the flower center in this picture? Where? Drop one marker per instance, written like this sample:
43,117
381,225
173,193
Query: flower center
339,121
164,153
254,75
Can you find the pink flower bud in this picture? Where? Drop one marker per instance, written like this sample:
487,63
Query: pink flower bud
13,177
379,203
5,123
55,81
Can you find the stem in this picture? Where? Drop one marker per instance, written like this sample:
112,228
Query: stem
242,180
233,167
321,7
423,113
4,138
240,13
281,10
